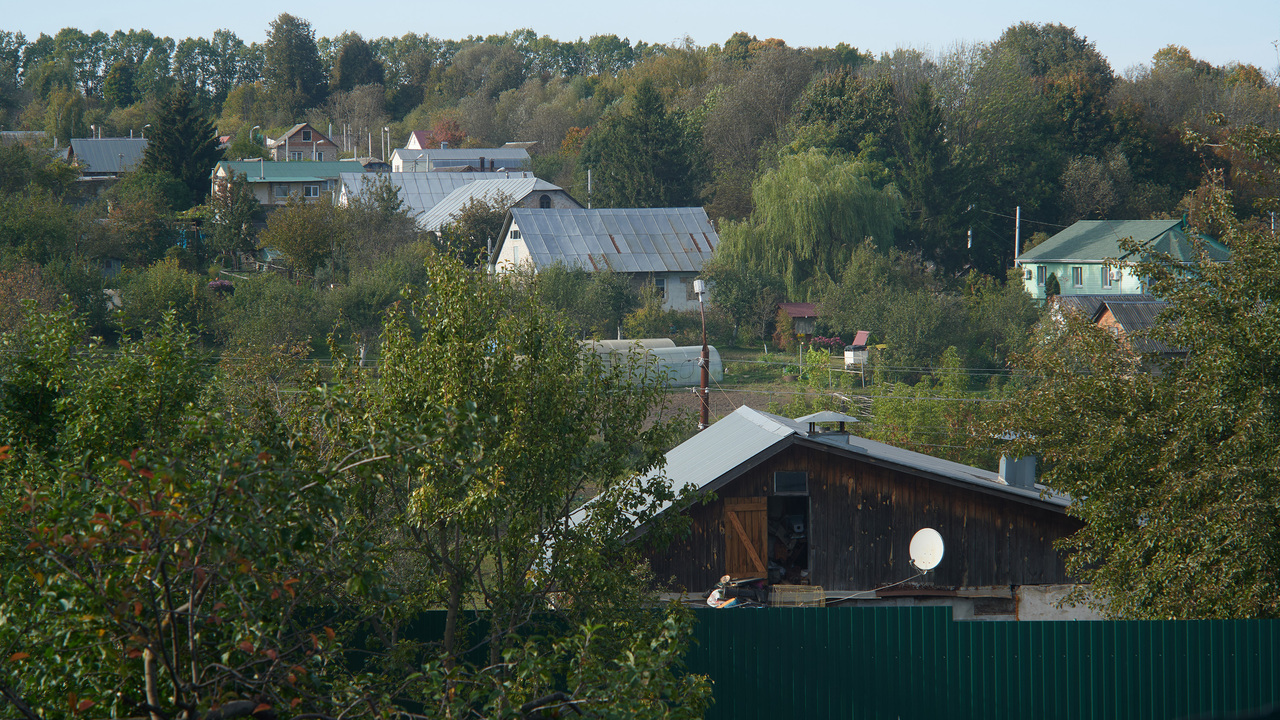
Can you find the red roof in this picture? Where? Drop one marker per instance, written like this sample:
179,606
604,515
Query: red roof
422,138
799,310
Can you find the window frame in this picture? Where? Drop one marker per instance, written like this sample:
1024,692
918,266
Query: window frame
1106,276
660,287
306,136
310,191
1077,276
1042,275
295,155
790,492
277,188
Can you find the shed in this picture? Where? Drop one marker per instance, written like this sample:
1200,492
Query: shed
804,316
801,505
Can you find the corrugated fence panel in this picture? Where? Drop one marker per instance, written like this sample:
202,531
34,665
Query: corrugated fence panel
918,663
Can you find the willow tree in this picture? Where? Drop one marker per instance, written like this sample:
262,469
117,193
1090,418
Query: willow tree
810,213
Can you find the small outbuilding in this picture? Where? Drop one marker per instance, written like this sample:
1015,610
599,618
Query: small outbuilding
795,503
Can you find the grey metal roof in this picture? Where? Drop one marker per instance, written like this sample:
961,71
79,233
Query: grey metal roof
463,156
420,191
1136,316
744,438
514,189
634,240
108,155
1088,305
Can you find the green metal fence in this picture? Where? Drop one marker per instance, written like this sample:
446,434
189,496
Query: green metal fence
780,663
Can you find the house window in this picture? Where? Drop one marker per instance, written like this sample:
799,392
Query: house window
1040,273
660,287
1028,274
320,155
295,154
544,202
689,294
1106,276
282,190
791,483
311,191
1077,276
306,136
514,234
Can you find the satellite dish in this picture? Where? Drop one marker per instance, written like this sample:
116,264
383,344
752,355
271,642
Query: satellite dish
926,549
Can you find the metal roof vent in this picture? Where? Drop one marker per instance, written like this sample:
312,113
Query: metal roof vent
826,416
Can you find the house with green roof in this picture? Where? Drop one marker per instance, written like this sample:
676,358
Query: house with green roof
274,182
1087,258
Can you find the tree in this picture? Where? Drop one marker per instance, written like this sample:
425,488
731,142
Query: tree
476,227
482,511
356,65
810,212
379,223
307,233
1172,471
644,157
196,563
64,116
182,144
1051,286
292,63
930,181
235,210
119,86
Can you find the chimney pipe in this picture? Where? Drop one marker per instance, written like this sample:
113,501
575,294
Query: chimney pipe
1019,472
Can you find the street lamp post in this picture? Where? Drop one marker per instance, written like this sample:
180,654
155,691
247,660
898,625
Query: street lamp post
144,130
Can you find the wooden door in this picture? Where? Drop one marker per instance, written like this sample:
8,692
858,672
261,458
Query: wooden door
745,534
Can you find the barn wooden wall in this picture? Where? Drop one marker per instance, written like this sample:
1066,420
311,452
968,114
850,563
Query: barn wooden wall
861,521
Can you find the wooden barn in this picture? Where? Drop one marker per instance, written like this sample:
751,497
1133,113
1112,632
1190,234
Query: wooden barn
798,505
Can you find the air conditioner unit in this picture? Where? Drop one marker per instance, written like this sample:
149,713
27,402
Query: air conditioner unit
1115,275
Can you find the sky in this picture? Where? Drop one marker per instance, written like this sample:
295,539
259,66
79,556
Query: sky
1126,32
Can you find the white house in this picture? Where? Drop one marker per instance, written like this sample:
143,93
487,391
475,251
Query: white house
663,246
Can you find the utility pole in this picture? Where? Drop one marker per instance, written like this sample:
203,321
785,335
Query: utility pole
704,410
1017,230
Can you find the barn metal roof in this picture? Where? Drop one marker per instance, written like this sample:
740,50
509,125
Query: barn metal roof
743,439
420,191
1093,241
108,155
621,239
515,189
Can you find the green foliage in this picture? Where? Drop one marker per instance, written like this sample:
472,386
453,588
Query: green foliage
292,67
307,233
749,299
182,144
1052,286
268,311
24,167
246,145
473,229
356,65
816,369
595,304
65,115
151,555
644,157
234,211
906,308
1172,471
809,214
35,225
146,297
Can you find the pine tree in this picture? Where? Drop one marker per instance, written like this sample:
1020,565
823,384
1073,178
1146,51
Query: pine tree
647,157
182,144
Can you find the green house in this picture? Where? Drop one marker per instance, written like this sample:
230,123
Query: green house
1087,258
